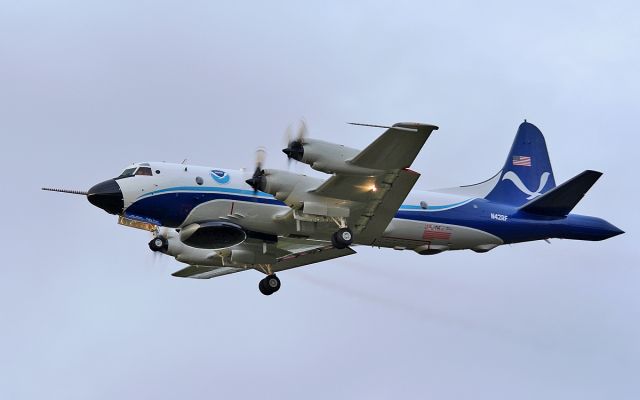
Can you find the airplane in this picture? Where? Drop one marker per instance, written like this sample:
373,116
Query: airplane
222,221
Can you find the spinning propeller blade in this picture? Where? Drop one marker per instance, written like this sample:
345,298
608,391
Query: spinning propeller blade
295,146
257,180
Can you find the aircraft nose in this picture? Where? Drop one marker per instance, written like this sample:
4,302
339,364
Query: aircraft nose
108,196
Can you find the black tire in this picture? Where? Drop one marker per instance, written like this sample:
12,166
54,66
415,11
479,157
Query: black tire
335,243
269,285
342,238
273,282
262,286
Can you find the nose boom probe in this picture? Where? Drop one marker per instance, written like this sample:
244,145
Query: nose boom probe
80,192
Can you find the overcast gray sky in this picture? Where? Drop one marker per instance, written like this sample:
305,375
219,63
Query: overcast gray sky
88,87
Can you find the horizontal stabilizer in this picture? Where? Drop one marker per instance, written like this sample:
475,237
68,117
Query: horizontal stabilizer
560,200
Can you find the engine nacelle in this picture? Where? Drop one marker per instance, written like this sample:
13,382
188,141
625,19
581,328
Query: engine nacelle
212,235
326,157
281,183
169,243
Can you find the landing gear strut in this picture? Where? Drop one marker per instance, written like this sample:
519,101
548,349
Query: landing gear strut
269,285
342,238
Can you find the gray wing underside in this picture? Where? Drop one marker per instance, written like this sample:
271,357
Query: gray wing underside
205,272
293,253
311,256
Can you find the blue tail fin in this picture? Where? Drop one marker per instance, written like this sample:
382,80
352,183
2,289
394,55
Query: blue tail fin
527,172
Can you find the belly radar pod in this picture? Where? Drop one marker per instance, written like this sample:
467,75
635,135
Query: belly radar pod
220,221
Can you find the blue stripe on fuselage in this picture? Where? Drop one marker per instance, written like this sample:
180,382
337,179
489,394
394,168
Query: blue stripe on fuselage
170,207
433,208
214,189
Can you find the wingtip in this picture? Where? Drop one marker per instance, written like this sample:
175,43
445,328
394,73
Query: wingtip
416,125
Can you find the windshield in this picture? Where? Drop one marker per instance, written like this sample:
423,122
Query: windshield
127,173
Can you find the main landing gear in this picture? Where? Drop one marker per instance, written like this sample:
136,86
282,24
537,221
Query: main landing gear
342,238
269,285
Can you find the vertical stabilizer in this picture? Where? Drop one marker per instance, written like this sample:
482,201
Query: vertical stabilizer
527,171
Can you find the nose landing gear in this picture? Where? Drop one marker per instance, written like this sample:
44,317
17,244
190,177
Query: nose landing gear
269,285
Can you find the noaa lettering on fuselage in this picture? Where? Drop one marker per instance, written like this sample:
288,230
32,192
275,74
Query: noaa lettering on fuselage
499,217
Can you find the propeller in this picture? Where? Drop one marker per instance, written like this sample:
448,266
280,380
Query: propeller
156,256
257,181
160,239
295,146
158,247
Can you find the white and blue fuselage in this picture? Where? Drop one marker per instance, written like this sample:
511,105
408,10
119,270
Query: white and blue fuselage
176,195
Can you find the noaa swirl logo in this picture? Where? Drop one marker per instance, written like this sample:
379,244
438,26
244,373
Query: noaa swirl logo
220,176
511,176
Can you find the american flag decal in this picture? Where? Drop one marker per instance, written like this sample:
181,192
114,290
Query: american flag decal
522,161
436,232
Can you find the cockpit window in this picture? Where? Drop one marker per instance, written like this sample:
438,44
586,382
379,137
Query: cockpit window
126,173
144,171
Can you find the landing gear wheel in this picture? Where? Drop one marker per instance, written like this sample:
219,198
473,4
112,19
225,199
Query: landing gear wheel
342,238
269,285
159,244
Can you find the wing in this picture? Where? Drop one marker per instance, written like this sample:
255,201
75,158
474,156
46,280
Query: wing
396,148
370,210
204,272
310,256
287,253
374,200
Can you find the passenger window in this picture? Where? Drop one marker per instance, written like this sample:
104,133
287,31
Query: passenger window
144,171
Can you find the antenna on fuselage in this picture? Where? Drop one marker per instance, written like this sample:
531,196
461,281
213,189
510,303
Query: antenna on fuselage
184,161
